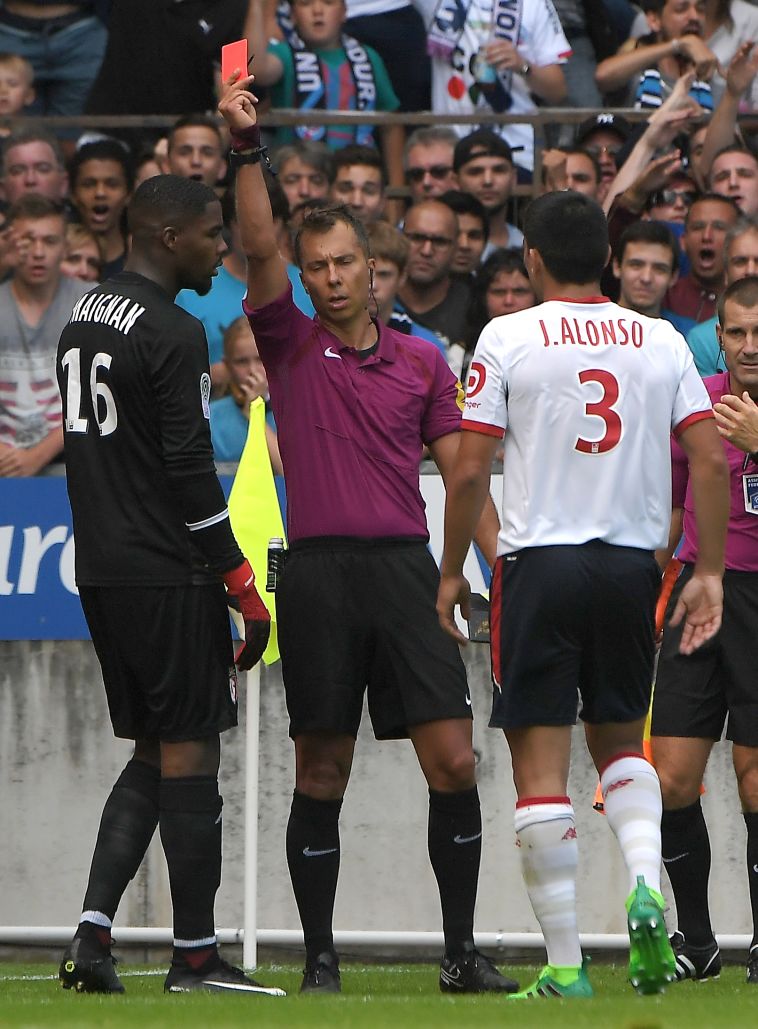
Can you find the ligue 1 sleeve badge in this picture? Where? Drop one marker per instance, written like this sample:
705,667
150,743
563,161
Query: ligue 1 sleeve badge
205,394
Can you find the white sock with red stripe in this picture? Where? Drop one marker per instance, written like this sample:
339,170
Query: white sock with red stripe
633,807
546,834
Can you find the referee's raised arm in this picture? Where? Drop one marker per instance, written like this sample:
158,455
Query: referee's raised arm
266,269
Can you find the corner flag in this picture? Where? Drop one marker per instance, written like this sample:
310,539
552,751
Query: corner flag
254,512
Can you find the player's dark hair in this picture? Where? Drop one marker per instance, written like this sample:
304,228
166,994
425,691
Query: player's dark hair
34,206
323,220
201,121
718,197
465,203
170,199
103,150
649,232
744,292
570,232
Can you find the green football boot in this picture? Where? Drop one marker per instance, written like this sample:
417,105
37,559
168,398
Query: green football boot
652,965
558,982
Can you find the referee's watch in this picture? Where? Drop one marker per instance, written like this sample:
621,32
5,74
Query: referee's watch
525,69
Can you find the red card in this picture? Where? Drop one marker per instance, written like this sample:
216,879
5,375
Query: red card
233,57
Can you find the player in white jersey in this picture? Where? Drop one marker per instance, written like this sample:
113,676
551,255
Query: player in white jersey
586,394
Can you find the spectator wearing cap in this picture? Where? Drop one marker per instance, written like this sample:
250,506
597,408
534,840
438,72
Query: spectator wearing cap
428,162
485,58
430,294
603,136
649,66
483,162
473,231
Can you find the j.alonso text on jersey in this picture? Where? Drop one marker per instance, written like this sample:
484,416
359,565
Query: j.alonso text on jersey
617,331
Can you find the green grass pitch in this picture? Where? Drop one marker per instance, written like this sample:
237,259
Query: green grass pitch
373,996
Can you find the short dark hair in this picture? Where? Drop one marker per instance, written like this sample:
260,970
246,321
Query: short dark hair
34,206
717,197
356,153
743,292
201,121
649,232
323,220
103,150
28,134
570,232
466,203
171,199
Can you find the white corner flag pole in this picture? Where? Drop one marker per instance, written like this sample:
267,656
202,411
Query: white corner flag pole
251,683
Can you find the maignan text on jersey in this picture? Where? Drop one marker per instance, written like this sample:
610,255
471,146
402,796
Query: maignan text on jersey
108,309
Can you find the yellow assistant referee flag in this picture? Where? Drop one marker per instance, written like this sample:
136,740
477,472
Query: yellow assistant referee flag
255,513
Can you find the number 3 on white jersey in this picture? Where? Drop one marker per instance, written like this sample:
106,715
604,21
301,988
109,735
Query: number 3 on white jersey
602,408
71,361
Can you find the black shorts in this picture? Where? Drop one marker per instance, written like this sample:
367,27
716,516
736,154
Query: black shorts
356,614
568,620
167,659
695,694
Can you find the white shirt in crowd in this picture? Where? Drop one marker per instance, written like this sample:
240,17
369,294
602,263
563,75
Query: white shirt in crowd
454,91
589,393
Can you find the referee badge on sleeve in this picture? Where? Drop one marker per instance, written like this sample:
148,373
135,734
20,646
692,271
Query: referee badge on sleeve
750,492
205,394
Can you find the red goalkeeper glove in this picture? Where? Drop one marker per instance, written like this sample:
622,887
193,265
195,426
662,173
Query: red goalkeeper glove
244,597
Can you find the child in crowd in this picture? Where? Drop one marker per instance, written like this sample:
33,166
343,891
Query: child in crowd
83,258
247,380
318,67
16,88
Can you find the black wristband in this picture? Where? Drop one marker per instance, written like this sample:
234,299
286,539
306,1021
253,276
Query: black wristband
255,156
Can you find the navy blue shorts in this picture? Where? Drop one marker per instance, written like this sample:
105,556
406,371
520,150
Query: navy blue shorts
570,622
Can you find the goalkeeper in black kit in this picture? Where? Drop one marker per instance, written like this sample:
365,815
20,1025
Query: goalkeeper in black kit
153,546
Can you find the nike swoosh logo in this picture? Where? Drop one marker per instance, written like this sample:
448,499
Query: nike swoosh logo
669,861
330,353
468,700
467,839
450,979
307,852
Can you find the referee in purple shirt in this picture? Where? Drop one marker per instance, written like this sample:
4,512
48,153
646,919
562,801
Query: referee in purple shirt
355,403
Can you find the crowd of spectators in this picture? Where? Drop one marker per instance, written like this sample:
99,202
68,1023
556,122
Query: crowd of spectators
441,202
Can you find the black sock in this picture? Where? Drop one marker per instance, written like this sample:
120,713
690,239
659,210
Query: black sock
190,821
127,825
751,824
313,856
455,850
686,853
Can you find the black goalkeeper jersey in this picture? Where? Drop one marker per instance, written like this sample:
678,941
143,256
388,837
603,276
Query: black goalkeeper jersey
134,378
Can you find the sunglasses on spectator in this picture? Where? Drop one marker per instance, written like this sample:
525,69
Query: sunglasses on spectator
437,171
419,239
666,197
597,151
